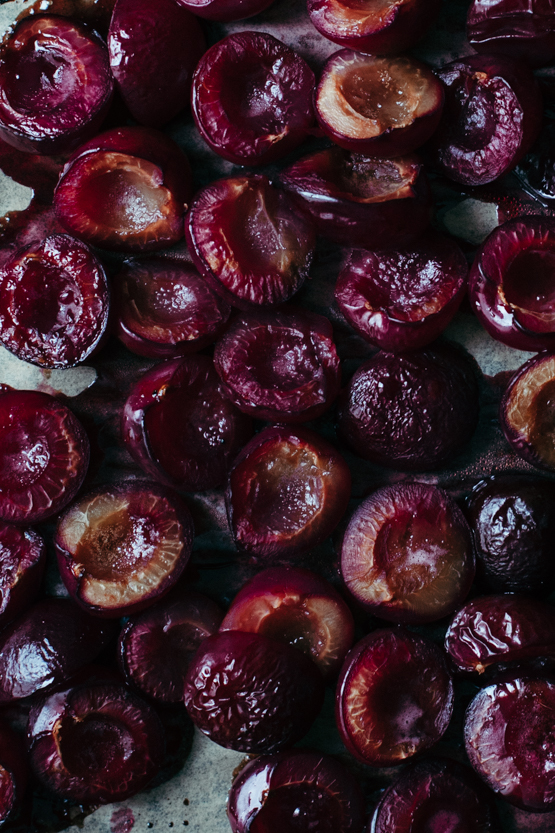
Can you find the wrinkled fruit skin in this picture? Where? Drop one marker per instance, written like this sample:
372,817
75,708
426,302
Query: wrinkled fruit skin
521,30
21,569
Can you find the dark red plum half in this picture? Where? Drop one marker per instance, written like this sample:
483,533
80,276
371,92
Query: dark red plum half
437,794
407,554
512,283
510,740
492,115
380,106
513,526
279,365
14,772
527,411
22,563
250,241
164,308
224,11
402,299
156,647
251,693
125,190
54,302
377,28
55,84
46,645
504,628
358,200
120,548
299,607
297,790
411,411
44,456
521,30
95,742
287,491
252,98
180,427
394,697
154,49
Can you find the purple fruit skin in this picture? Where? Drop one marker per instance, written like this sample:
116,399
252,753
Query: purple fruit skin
251,693
20,579
519,29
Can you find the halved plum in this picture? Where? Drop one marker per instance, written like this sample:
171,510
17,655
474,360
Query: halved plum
394,697
411,410
295,791
377,28
510,740
513,526
279,365
521,30
225,11
14,772
505,628
48,644
492,115
252,98
44,456
299,607
250,241
527,411
407,554
402,299
95,741
126,190
436,795
512,283
22,563
180,427
55,84
54,302
156,647
358,200
165,309
120,548
380,106
287,491
251,693
154,49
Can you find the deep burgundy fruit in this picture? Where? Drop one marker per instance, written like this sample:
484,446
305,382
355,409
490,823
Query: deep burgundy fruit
180,427
394,697
407,554
55,84
251,693
165,309
492,115
383,107
511,283
436,795
127,190
154,49
14,772
411,411
250,241
299,607
122,547
513,525
44,456
402,299
279,365
95,741
54,302
294,791
157,646
225,10
287,491
510,740
252,98
359,200
523,30
527,411
23,559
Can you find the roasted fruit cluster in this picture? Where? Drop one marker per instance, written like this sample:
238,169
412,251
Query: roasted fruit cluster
289,510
